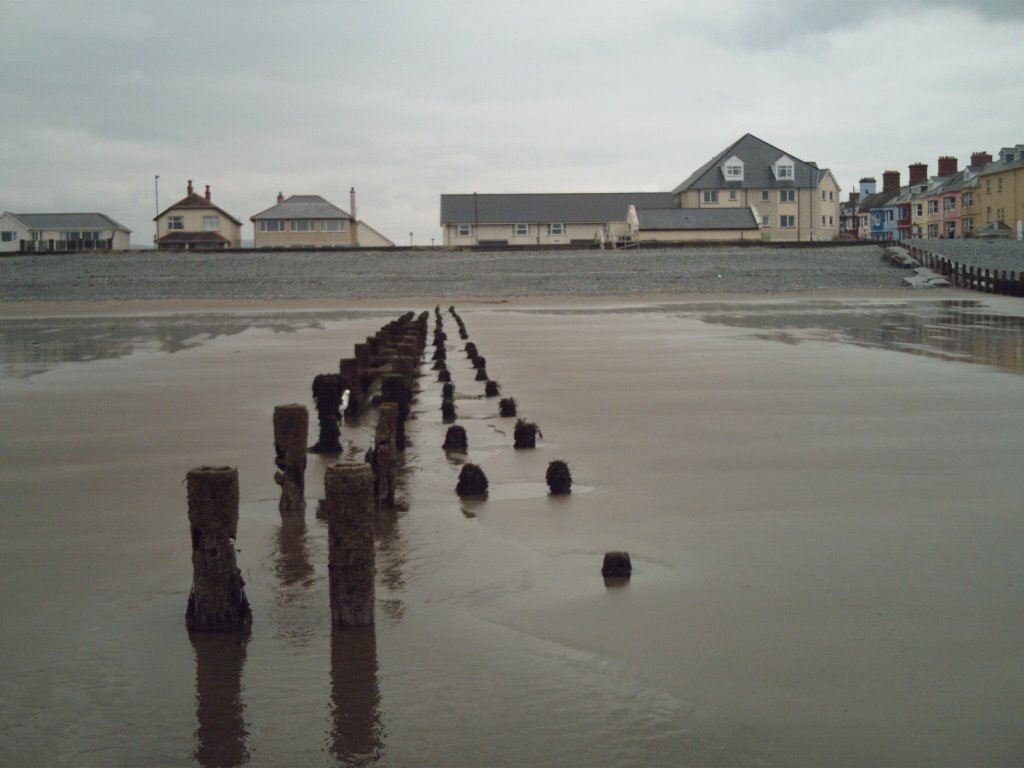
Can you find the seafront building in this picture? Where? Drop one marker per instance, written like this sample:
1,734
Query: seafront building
27,232
195,223
310,221
751,190
983,199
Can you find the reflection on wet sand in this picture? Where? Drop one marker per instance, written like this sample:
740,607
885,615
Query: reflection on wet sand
221,733
29,346
950,330
356,736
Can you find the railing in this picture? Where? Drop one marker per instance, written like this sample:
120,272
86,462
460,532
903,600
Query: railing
974,278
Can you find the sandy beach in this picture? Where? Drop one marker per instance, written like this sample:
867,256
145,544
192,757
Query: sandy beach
818,492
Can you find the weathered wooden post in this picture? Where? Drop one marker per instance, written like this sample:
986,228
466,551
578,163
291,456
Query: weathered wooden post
455,440
558,477
291,430
385,454
472,481
525,434
350,557
217,600
327,389
492,388
393,389
507,406
447,410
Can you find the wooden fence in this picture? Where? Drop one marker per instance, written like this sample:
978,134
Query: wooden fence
975,278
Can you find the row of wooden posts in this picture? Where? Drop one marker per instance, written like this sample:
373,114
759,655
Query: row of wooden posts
390,360
975,278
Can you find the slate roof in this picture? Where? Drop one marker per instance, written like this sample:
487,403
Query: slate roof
72,221
302,207
757,156
195,200
673,219
558,207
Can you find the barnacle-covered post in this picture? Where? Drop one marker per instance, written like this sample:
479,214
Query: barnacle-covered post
291,430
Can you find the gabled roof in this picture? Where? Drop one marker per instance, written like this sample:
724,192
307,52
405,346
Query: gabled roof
73,221
193,201
671,219
877,200
559,207
758,157
302,207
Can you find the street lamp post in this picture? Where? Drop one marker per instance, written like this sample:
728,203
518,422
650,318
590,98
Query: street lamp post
156,221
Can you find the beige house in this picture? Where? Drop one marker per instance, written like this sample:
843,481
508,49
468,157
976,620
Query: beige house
310,221
1001,193
195,223
795,200
62,232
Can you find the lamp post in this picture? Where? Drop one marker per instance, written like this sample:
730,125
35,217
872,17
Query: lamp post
156,221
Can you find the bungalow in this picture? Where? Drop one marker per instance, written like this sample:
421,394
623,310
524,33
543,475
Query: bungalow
195,223
537,219
309,221
62,232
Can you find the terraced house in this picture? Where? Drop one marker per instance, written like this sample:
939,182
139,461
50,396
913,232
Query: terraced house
1001,193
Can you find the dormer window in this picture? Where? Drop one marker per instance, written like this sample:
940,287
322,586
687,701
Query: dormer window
732,169
784,169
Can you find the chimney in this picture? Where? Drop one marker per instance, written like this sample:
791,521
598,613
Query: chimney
890,181
947,165
352,203
918,174
207,191
190,186
280,197
980,158
854,197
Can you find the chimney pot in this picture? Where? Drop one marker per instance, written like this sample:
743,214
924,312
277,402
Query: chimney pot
280,197
190,186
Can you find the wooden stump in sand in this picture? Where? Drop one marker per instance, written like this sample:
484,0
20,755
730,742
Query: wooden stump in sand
291,431
350,556
217,600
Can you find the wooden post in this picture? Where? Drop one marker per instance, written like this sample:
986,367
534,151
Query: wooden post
217,601
291,431
350,556
385,454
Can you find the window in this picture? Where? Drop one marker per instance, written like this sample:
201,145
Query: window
787,222
933,206
968,199
949,203
988,186
988,213
556,229
933,230
999,184
888,215
918,209
787,195
332,225
765,194
734,172
8,237
1000,214
831,196
520,230
824,195
465,230
784,171
211,223
710,195
733,194
271,225
830,221
968,225
175,222
302,225
766,221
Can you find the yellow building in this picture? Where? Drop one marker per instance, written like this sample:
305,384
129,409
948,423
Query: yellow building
195,223
1000,195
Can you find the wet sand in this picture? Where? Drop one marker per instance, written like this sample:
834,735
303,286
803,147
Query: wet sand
825,531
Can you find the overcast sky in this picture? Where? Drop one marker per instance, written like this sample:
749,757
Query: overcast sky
408,100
